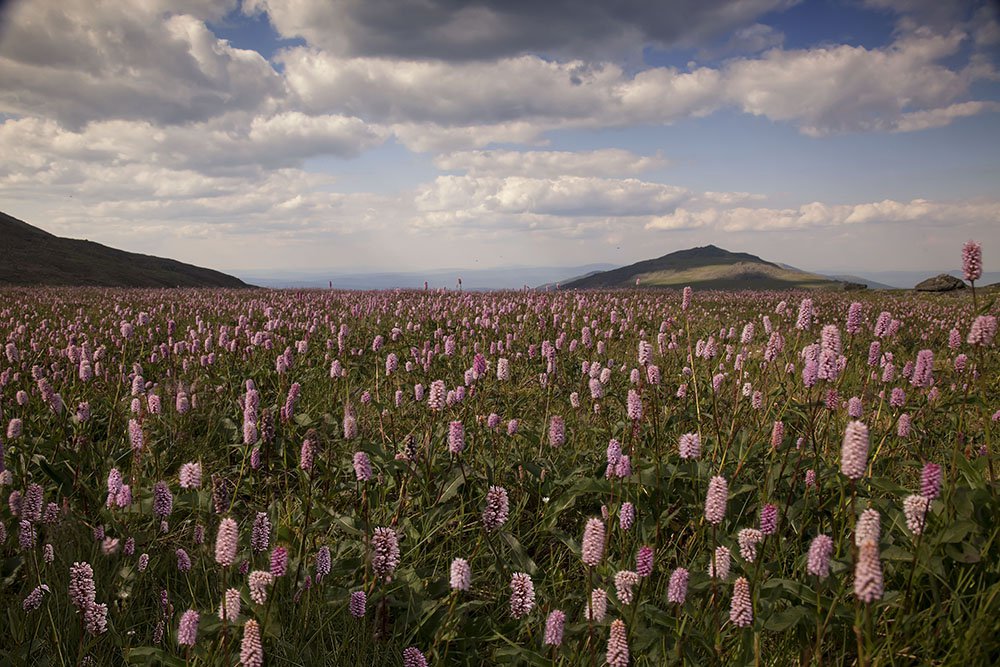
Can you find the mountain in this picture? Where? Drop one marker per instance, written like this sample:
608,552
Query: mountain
508,277
32,256
845,278
709,267
859,280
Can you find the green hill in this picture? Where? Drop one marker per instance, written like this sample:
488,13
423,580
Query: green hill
32,256
708,267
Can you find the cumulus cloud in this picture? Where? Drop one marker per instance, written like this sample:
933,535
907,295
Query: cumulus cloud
486,29
746,40
558,196
901,87
929,12
148,61
819,215
236,143
79,61
848,88
549,164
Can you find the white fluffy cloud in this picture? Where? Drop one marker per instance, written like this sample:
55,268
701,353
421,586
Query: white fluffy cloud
902,87
236,142
78,61
549,164
819,215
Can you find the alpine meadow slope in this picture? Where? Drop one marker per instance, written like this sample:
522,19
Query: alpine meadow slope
32,256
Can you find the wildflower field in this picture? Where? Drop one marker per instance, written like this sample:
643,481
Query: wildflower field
523,478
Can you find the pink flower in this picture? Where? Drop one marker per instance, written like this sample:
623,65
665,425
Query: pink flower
412,657
741,608
820,550
769,519
554,628
187,631
279,561
229,608
715,500
748,539
226,542
251,651
634,405
557,431
258,582
617,655
930,481
190,476
689,446
718,566
677,589
983,330
385,551
522,595
644,561
777,434
915,510
627,514
868,585
461,575
456,437
362,467
597,606
358,603
593,542
972,261
854,453
497,508
804,320
868,527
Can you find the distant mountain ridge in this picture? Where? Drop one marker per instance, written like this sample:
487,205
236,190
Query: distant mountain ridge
33,256
709,267
845,278
511,277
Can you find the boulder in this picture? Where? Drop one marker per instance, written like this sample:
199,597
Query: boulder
940,283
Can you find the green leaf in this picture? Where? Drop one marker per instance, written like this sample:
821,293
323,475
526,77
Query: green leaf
521,557
785,619
967,553
454,484
150,655
896,552
956,532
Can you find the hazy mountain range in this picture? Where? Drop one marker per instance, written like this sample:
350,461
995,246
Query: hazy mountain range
32,256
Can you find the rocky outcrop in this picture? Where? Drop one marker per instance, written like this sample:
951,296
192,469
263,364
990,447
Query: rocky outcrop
940,283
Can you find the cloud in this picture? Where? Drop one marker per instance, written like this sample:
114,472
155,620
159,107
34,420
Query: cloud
438,105
549,164
236,143
848,88
817,215
489,29
749,39
558,196
935,13
923,120
79,61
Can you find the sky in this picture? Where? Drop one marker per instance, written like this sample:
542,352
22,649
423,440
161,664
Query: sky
408,135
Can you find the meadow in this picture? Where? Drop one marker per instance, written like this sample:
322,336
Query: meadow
630,477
